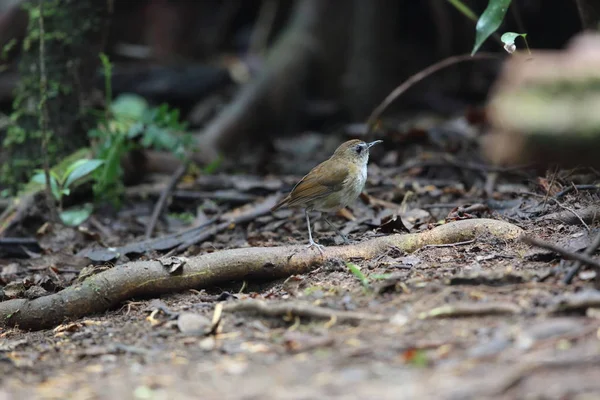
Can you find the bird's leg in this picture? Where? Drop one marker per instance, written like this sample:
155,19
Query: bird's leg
311,242
344,238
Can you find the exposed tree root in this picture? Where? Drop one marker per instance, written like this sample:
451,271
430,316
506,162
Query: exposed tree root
300,310
108,289
471,310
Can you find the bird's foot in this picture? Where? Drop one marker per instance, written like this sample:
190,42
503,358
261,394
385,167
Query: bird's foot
345,239
319,247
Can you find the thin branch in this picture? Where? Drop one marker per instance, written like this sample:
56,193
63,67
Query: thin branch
162,200
429,246
271,309
419,76
43,119
573,187
257,211
586,259
470,310
588,252
561,205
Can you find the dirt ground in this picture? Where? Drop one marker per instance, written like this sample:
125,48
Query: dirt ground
500,333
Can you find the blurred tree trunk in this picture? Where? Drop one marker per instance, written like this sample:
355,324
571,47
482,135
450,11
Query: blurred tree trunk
589,12
374,61
72,33
308,54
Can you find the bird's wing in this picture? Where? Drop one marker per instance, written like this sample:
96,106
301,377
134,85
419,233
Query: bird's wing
321,181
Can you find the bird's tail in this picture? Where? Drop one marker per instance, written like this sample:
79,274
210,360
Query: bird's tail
282,203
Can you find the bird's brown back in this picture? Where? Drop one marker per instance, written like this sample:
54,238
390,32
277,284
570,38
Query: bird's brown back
323,180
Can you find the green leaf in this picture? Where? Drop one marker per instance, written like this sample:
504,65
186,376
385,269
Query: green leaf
135,130
56,192
80,169
40,178
509,40
509,37
77,215
159,138
355,269
108,178
129,106
490,21
73,166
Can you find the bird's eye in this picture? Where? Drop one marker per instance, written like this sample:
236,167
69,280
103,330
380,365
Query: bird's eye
360,148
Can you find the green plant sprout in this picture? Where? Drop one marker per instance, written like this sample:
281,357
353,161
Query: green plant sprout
129,123
489,22
355,270
61,184
509,38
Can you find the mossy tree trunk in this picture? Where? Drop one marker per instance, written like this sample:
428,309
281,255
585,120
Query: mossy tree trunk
72,33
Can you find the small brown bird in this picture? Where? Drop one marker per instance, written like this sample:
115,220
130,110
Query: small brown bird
333,184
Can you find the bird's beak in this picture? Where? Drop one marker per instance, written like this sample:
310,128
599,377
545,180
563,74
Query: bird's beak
369,145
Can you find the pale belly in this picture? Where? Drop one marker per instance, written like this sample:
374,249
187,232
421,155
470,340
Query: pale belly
344,197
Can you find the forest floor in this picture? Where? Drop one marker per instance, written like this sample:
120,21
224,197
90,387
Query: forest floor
501,333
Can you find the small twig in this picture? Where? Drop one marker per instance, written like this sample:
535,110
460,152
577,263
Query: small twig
590,214
259,209
300,310
558,203
577,266
160,204
572,188
586,259
222,195
470,310
561,205
446,245
230,196
439,205
419,76
550,186
446,161
43,119
93,221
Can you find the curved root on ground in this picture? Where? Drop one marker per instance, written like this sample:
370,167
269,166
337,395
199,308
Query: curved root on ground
110,288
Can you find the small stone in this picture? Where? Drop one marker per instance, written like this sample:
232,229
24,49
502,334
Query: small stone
193,324
399,319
